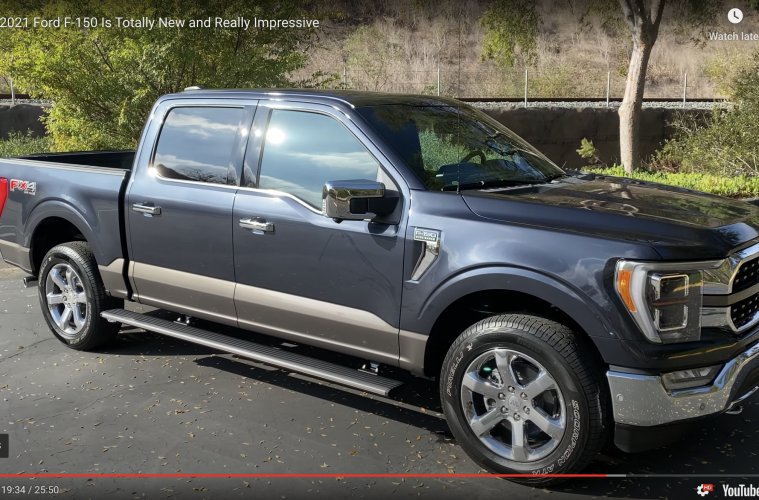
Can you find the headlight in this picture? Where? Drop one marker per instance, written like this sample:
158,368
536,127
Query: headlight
663,298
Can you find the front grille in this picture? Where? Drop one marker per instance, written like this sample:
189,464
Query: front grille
747,276
742,312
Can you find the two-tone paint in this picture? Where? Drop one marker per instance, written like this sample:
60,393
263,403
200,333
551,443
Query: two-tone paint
351,287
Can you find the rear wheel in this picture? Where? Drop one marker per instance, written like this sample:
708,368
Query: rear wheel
72,296
525,395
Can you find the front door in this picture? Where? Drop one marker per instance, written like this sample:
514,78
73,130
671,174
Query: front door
299,274
180,211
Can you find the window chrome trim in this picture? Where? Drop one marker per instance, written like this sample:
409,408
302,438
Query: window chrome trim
719,281
241,188
194,183
276,192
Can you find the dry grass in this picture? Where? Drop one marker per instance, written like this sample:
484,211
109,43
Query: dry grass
398,46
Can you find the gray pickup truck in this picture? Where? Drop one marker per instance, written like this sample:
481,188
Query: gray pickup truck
556,308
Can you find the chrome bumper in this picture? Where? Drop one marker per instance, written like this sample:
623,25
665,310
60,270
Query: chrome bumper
643,400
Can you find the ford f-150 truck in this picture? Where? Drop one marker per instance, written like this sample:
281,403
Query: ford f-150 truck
556,308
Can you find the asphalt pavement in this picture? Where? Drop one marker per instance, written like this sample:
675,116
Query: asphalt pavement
155,405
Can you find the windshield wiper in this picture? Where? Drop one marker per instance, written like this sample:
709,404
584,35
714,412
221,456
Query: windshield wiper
502,183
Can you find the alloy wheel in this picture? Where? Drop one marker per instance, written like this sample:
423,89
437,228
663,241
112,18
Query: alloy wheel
513,405
66,299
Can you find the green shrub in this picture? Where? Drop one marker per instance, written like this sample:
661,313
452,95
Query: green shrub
725,143
18,144
733,187
588,151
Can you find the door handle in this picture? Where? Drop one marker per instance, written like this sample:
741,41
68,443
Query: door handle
257,224
146,209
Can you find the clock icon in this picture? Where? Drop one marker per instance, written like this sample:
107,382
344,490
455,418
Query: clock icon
735,16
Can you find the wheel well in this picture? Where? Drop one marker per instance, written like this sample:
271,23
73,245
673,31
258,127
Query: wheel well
477,306
49,233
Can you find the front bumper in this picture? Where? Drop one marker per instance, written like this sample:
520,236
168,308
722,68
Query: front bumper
642,400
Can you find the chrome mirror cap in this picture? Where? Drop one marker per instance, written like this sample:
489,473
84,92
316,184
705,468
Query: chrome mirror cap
337,197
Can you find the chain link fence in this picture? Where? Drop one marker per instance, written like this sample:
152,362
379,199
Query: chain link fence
556,84
544,84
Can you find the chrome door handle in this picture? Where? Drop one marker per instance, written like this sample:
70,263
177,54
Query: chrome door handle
146,209
257,224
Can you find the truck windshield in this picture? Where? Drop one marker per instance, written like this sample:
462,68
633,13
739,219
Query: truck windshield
458,147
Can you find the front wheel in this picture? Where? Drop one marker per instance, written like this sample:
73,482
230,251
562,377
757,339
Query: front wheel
524,395
72,296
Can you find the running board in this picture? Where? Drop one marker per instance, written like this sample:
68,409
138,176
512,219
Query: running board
265,354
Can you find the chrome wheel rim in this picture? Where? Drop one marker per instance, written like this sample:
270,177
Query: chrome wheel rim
66,299
513,405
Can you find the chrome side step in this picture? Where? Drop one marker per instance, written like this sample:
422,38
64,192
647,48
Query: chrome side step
265,354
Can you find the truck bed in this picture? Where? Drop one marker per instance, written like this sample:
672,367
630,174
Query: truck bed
72,194
103,159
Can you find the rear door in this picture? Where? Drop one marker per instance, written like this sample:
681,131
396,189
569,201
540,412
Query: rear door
299,274
180,208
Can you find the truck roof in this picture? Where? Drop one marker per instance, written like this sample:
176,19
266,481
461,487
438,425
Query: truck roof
354,98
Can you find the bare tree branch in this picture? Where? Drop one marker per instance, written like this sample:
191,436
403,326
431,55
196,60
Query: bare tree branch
657,11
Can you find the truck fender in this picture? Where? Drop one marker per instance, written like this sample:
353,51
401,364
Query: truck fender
560,295
66,211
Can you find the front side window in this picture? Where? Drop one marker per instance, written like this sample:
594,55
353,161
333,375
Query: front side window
196,144
304,150
451,147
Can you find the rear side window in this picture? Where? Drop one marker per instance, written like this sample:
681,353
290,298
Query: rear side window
196,144
303,151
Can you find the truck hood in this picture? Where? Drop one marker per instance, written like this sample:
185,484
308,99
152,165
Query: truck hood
678,223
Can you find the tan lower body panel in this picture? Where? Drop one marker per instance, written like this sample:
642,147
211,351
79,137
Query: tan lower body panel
412,347
15,254
186,293
309,321
113,278
314,322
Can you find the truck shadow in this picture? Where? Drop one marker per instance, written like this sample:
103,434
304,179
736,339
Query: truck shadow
721,446
415,403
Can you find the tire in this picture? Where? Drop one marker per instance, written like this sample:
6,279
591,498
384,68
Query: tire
69,280
571,404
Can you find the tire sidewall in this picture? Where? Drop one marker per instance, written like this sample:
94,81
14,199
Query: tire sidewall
576,408
64,255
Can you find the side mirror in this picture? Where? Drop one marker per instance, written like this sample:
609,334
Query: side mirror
355,200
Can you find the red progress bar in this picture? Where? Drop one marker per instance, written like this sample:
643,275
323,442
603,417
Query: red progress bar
308,475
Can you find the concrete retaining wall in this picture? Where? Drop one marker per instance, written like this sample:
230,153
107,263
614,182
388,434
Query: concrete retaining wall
20,118
557,132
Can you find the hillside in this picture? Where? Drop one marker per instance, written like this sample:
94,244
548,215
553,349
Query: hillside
398,46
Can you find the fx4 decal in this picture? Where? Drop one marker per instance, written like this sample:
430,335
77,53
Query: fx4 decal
23,186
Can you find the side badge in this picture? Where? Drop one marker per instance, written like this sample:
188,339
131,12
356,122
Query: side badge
422,234
430,250
25,187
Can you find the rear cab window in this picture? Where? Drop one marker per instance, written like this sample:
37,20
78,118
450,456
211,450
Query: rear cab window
196,144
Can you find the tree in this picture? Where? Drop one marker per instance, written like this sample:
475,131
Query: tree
644,28
104,79
513,28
